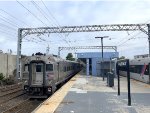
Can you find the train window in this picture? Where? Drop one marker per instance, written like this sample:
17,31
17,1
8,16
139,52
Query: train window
132,68
146,70
138,69
39,68
49,67
64,69
26,67
67,68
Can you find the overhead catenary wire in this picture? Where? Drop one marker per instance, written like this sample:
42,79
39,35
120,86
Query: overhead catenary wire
7,33
6,26
3,26
36,17
133,37
9,22
51,15
43,13
8,36
38,41
27,40
13,16
131,33
40,10
14,26
31,13
143,46
5,29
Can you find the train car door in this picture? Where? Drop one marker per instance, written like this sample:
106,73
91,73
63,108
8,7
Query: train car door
37,73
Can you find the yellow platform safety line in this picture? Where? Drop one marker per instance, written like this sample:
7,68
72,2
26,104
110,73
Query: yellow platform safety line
51,104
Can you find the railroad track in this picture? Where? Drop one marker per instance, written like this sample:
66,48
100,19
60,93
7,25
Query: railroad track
14,100
10,96
17,108
25,106
19,104
9,87
9,92
5,90
11,102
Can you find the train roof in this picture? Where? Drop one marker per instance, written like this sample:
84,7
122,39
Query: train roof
140,61
50,57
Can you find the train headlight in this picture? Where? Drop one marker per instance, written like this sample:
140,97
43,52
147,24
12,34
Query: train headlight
49,89
26,88
38,58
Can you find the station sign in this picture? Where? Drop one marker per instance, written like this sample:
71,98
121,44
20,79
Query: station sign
123,65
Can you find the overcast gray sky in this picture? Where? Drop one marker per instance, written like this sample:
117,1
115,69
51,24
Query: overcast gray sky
73,13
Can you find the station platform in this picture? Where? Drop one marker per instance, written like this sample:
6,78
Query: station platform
88,94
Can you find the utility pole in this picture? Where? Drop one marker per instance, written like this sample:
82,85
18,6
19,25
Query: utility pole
59,49
47,49
102,70
18,74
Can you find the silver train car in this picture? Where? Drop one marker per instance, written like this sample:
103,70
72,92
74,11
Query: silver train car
43,73
139,70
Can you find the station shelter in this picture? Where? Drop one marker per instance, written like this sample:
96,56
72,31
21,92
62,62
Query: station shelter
94,63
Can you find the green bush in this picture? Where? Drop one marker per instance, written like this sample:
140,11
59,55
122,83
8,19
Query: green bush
8,81
1,76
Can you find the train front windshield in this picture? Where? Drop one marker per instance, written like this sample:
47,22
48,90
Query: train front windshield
39,68
49,67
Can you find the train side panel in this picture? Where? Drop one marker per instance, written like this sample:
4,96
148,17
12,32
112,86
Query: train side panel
139,70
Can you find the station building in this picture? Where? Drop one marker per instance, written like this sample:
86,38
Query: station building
94,64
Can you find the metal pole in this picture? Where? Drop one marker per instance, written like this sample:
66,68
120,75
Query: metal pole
18,74
118,78
7,65
59,51
87,66
102,70
110,64
102,58
148,25
128,79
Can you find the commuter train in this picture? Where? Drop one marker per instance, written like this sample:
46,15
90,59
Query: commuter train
43,73
139,69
